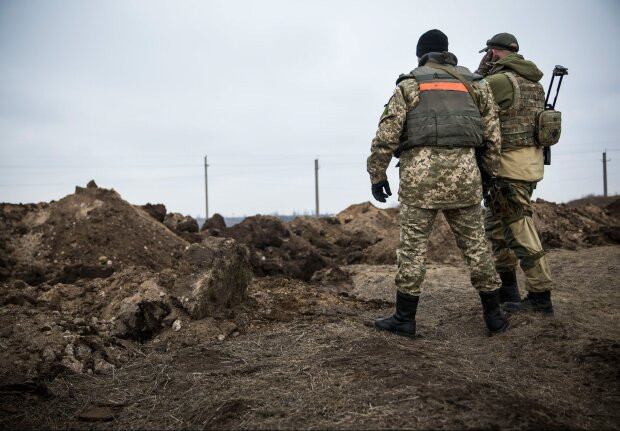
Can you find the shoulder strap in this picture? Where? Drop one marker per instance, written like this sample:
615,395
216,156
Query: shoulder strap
516,98
459,77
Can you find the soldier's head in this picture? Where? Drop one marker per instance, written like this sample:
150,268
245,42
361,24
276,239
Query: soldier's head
501,45
432,41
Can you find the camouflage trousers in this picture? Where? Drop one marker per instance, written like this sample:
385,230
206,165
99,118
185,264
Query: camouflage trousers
509,226
466,223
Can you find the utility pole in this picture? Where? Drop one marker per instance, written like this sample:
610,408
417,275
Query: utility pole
316,185
605,160
206,191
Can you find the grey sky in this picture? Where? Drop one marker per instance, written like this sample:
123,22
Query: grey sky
134,93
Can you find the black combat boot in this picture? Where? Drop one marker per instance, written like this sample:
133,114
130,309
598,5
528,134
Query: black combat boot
493,316
509,292
403,321
534,301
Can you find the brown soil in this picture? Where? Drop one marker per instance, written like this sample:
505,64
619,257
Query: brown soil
96,329
307,358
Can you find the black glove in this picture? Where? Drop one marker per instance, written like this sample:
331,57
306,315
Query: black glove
378,193
489,183
485,64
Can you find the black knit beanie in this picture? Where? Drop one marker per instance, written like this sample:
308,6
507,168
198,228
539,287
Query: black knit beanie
432,41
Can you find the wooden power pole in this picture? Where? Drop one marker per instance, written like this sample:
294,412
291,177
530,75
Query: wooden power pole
605,160
316,185
206,191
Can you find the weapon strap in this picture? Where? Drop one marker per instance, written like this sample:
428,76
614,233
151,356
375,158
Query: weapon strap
459,77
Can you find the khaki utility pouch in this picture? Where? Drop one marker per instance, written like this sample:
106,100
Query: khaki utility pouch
548,127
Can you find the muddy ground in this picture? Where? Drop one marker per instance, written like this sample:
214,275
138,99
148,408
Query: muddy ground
306,357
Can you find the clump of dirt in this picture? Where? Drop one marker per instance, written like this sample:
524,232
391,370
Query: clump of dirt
211,277
215,222
184,226
157,211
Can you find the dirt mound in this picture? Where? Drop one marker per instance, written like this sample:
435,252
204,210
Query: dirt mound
379,226
302,246
369,218
334,241
614,208
384,226
274,250
560,226
85,277
88,234
365,234
92,272
598,200
91,326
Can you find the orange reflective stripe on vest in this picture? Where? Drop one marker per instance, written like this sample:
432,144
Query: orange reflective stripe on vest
449,86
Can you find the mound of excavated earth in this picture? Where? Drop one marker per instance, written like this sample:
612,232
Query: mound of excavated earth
85,278
87,234
563,226
360,234
383,226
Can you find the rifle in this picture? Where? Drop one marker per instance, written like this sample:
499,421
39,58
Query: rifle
557,71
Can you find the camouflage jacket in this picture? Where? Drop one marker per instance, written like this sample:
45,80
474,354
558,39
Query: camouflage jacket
434,177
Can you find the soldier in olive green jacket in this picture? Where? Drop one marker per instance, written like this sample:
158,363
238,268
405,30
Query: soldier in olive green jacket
516,87
436,122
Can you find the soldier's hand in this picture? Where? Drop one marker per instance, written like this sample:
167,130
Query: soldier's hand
485,64
381,191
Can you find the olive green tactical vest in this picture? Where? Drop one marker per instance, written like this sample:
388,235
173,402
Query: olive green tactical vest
518,122
446,115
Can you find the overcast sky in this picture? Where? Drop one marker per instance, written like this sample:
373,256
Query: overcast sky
134,94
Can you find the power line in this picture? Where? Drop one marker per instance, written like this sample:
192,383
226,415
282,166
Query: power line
276,157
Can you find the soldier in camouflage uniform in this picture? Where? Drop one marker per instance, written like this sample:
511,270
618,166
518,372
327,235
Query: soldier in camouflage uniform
434,124
508,222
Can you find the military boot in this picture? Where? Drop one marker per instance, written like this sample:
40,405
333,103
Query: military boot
534,301
509,292
403,321
494,318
